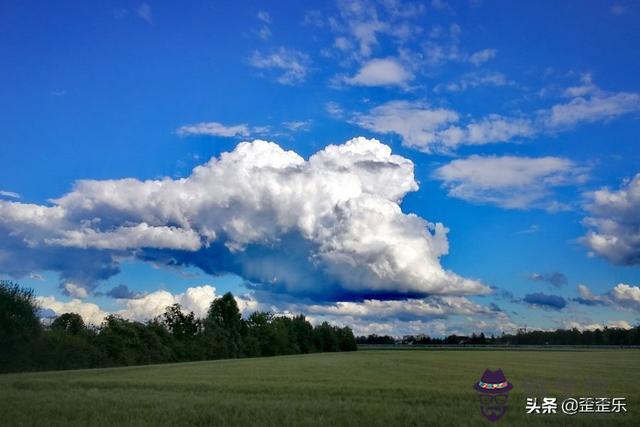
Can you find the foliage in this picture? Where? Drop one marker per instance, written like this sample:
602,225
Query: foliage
20,328
175,336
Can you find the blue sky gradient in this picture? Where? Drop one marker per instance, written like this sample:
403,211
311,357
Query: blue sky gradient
116,89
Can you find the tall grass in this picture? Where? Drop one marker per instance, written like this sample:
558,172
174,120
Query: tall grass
373,388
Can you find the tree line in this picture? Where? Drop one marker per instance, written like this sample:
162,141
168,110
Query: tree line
175,336
604,336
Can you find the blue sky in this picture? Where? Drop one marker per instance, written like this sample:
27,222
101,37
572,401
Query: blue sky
520,122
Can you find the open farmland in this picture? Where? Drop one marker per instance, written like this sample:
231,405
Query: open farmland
377,387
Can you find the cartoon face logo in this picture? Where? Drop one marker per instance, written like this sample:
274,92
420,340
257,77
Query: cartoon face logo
493,389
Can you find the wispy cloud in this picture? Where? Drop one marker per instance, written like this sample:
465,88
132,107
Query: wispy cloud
214,129
482,56
618,9
298,125
510,182
437,129
292,65
334,110
9,194
473,80
144,12
556,278
600,106
265,30
533,228
430,129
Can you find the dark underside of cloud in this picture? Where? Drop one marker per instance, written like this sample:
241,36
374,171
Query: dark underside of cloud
589,302
540,299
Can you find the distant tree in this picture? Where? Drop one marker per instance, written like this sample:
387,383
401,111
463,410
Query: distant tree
325,337
346,340
303,332
68,348
171,337
70,323
223,327
131,343
181,325
378,339
452,339
261,335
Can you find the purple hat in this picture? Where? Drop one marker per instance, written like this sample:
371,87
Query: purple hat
493,382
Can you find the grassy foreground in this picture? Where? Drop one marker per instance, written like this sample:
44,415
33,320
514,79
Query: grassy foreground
377,387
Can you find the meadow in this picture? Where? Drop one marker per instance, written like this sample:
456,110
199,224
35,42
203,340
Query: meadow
373,388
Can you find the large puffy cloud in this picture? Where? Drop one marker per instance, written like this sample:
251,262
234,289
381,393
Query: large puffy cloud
196,299
622,296
329,228
614,223
91,313
626,295
509,181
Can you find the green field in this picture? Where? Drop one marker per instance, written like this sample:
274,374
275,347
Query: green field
373,388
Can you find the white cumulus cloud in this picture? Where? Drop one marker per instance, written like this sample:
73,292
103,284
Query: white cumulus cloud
614,223
328,228
91,313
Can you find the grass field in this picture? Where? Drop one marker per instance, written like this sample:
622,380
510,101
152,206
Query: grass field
373,388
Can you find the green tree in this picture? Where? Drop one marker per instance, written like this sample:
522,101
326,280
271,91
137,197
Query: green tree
260,339
325,337
20,327
70,323
181,325
346,340
303,332
223,327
